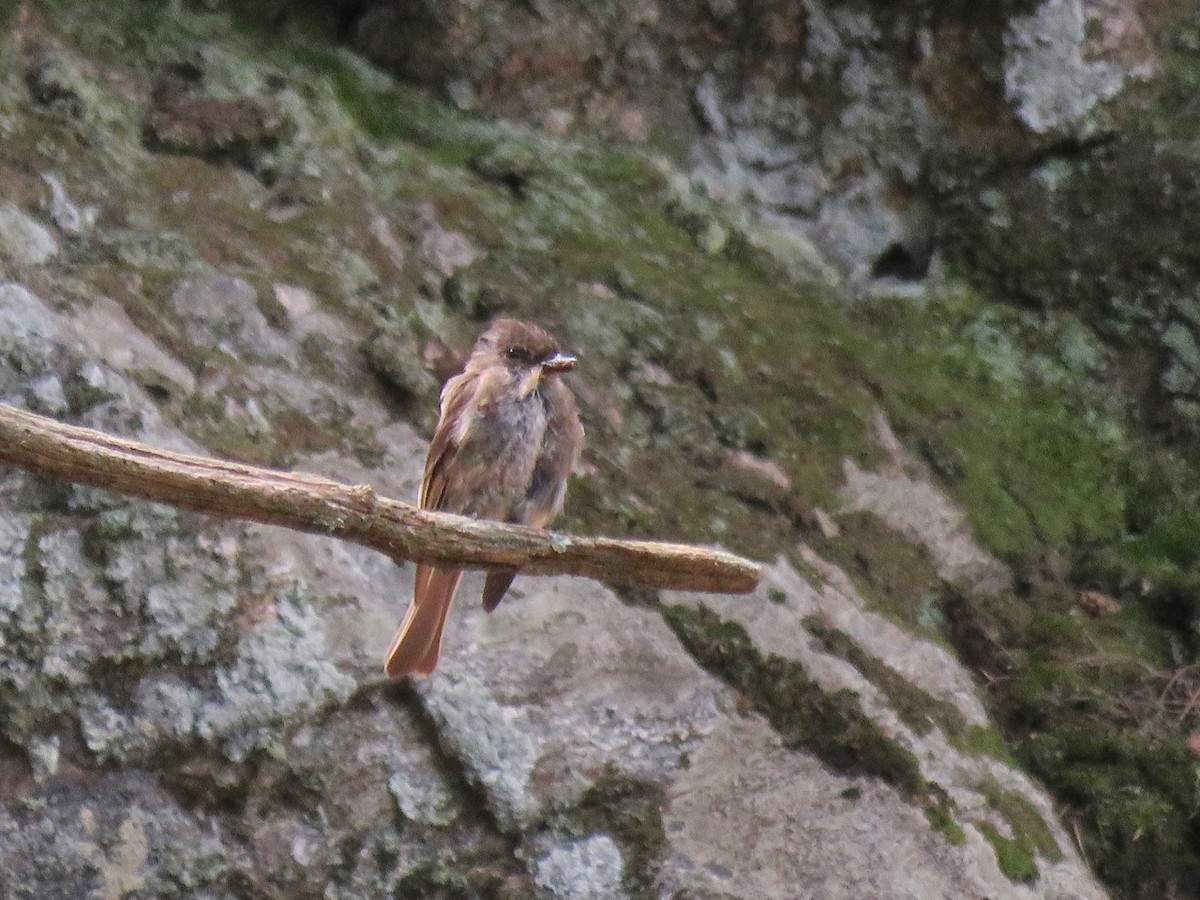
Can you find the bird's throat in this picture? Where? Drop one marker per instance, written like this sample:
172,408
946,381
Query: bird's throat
529,382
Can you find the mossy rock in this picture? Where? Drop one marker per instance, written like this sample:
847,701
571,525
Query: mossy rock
832,726
1012,856
629,809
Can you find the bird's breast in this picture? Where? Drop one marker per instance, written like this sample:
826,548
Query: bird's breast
508,434
519,417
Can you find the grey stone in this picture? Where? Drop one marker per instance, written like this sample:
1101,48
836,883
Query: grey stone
350,844
712,238
560,707
220,311
748,783
422,801
708,105
496,742
829,177
857,225
121,837
106,332
68,217
811,839
531,712
461,93
14,531
161,252
281,676
1047,76
46,395
282,673
237,667
27,335
44,756
23,240
590,869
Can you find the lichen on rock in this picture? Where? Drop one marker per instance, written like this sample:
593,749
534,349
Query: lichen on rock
765,229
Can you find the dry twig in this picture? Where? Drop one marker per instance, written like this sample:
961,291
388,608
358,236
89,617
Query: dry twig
354,512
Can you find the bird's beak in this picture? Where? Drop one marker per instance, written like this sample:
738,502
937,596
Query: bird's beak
559,362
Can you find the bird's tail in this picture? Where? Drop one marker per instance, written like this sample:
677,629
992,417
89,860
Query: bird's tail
418,641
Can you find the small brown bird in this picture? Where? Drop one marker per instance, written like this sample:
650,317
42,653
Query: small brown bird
508,437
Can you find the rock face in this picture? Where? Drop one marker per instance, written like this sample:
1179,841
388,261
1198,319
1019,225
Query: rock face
830,120
249,242
23,240
589,737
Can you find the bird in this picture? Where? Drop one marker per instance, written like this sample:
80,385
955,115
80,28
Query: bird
507,438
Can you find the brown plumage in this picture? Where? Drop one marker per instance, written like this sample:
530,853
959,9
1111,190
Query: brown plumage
508,437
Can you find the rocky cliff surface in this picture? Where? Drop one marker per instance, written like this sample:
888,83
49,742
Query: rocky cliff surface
894,297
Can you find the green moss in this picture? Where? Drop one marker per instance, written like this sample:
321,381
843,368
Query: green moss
1039,458
629,809
832,726
138,34
918,709
944,824
1013,857
444,880
1010,407
895,576
387,111
1028,826
1025,463
983,740
1136,799
1074,705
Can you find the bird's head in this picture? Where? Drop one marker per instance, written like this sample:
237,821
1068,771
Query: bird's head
522,346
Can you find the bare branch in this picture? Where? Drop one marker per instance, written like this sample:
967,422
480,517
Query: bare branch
354,512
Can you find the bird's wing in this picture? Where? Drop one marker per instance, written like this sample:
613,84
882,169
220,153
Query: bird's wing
457,397
417,643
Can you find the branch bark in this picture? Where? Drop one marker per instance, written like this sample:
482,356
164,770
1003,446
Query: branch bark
354,513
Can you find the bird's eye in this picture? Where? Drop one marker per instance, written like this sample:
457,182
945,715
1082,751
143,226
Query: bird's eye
512,352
